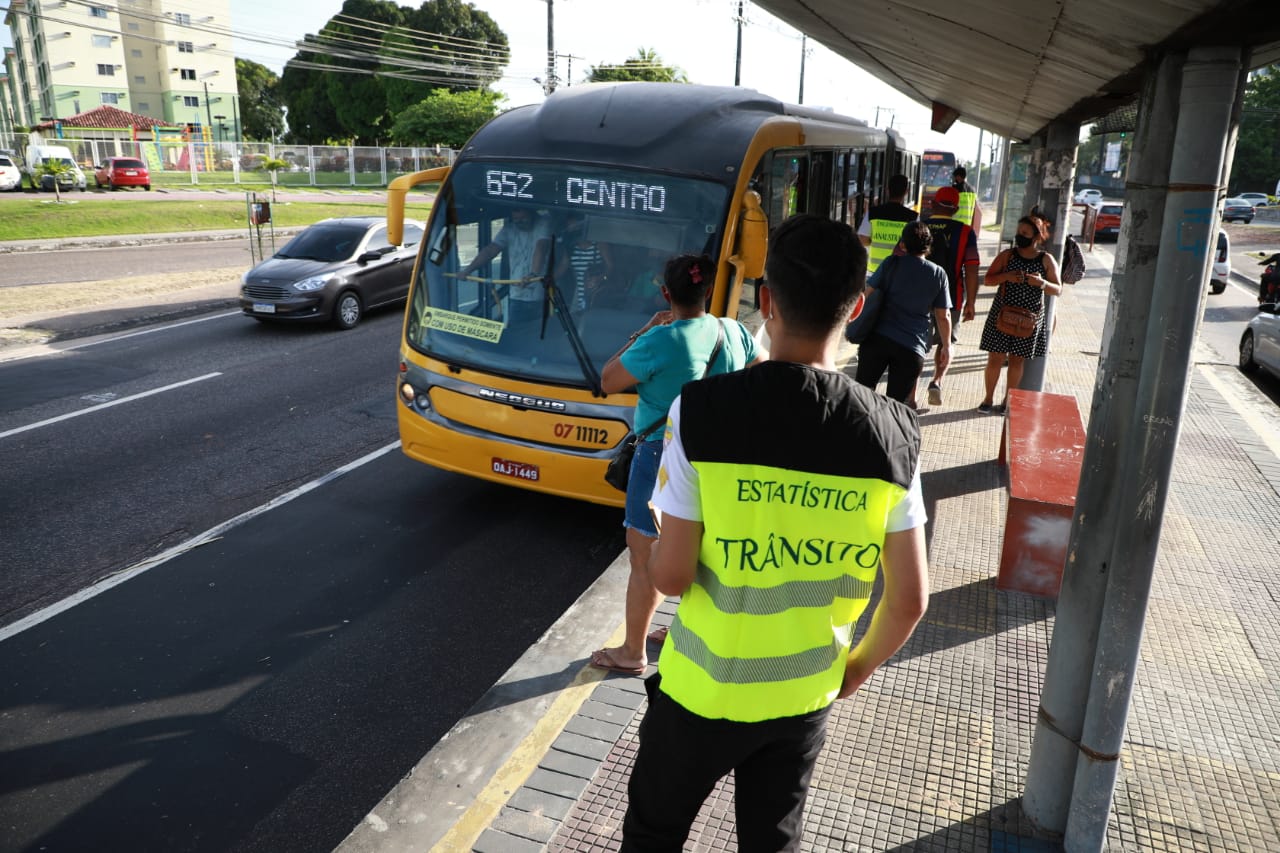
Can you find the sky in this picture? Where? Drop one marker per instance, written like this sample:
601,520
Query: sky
699,36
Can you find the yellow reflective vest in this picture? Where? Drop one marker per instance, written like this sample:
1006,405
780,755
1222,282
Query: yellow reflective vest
968,201
886,221
793,527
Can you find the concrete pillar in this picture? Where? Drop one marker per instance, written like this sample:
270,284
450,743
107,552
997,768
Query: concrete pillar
1057,177
1060,722
1212,83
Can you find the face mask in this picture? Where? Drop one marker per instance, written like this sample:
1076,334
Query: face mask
1022,241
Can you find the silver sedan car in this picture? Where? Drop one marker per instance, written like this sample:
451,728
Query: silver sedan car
1260,343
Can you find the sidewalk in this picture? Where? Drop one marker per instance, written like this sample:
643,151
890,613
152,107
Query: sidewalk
931,754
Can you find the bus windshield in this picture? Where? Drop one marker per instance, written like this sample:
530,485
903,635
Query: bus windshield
501,233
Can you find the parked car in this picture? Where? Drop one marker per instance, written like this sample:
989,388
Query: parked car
117,172
1108,221
10,175
1221,272
1255,199
1237,210
70,178
1260,343
1090,197
335,270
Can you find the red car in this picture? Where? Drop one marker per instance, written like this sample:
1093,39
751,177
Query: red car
1108,221
119,172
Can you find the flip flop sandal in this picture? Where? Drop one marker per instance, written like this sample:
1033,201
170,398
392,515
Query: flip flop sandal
601,659
658,635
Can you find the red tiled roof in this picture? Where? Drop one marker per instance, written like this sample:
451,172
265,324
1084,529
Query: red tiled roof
107,117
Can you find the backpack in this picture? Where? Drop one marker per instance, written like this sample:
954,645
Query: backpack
1072,262
940,251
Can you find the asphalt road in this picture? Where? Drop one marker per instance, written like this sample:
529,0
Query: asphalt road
263,691
99,262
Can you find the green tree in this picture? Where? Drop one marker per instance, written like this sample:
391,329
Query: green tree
374,59
646,65
1256,166
261,116
445,118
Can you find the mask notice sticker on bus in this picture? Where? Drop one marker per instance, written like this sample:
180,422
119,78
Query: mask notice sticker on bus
519,470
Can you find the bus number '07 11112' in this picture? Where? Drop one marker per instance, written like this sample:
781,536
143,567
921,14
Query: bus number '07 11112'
585,434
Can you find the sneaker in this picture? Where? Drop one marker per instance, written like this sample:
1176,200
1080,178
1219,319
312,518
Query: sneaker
985,408
935,394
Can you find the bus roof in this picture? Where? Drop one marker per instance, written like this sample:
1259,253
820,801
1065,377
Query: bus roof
675,127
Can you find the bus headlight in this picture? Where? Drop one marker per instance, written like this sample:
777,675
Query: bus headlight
413,397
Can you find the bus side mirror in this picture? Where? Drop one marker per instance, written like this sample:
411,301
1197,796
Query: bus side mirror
753,236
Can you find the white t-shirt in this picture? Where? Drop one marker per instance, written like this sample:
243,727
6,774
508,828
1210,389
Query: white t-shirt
676,491
518,245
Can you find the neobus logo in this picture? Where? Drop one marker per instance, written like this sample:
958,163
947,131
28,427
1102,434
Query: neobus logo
521,400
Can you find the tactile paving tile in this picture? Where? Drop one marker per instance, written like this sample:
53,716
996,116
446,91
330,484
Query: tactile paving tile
932,753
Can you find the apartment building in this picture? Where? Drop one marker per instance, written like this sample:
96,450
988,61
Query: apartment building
167,59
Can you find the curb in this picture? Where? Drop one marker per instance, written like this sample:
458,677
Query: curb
128,240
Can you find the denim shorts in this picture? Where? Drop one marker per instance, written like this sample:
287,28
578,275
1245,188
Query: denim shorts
644,474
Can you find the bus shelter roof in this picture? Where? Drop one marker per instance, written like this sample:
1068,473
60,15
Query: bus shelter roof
1013,66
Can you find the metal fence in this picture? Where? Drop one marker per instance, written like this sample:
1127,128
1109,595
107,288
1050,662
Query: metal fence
178,162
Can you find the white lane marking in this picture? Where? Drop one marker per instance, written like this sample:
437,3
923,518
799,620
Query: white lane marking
152,330
196,541
102,406
47,349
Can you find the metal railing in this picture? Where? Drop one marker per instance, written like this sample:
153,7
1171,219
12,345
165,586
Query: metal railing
182,162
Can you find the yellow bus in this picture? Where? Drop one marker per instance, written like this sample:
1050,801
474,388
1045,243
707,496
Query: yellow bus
936,168
545,248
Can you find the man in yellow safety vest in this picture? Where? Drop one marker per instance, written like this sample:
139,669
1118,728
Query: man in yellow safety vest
881,228
773,532
970,212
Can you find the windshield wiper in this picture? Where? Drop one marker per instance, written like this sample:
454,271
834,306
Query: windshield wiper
553,297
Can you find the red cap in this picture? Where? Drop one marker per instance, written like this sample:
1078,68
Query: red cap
947,197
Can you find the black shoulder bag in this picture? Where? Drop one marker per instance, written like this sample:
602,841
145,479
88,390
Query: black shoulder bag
619,470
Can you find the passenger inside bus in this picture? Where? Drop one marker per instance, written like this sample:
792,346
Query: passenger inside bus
489,238
523,243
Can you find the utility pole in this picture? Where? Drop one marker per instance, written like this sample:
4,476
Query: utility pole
977,182
551,46
568,79
207,110
803,38
737,66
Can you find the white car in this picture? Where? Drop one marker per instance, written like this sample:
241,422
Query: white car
10,175
1255,199
1089,197
1221,264
1260,343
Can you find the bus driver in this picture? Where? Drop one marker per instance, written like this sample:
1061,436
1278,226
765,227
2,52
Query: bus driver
523,242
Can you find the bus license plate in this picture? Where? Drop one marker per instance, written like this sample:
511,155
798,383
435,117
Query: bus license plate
519,470
264,308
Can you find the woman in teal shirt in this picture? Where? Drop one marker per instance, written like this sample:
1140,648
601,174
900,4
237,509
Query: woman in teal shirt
673,348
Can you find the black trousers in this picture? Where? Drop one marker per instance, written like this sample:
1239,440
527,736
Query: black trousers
683,755
905,366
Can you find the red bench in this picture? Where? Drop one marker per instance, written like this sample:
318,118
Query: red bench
1043,441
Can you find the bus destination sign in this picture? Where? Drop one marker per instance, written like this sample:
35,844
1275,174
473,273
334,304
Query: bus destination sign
582,192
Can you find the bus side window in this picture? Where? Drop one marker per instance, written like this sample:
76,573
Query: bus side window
821,194
788,182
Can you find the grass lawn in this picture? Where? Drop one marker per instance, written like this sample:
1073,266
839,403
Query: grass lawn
36,217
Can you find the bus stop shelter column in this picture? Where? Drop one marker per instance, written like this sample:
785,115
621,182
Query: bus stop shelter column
1208,86
1057,177
1060,722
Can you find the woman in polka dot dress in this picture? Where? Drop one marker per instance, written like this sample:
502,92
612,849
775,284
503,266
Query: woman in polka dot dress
1027,274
